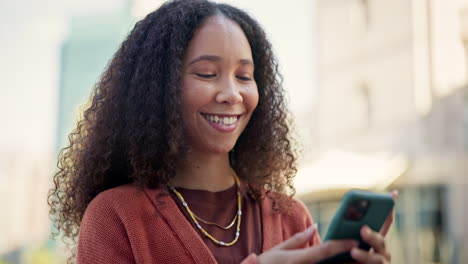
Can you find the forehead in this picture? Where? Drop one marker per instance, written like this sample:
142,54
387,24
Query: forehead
219,36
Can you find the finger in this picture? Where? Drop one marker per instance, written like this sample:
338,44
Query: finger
366,257
374,239
327,249
388,222
395,194
298,240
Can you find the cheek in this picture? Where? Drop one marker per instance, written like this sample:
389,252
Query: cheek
252,98
194,96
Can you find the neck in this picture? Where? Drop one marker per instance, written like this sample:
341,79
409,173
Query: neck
204,172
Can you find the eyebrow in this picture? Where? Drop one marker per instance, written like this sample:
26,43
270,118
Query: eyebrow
217,58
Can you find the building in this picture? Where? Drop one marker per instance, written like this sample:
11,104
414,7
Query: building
392,84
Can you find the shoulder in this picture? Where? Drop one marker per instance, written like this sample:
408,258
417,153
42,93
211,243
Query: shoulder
103,234
113,210
119,201
119,193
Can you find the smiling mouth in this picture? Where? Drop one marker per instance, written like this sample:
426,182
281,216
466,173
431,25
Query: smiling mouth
224,120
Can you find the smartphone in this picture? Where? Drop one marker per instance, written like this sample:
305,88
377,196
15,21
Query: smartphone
357,208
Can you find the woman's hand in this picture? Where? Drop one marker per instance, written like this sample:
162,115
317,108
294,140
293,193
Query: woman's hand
290,252
379,253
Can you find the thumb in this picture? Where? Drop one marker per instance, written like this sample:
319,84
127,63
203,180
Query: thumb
298,239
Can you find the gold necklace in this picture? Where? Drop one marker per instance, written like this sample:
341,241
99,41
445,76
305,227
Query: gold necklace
194,218
215,224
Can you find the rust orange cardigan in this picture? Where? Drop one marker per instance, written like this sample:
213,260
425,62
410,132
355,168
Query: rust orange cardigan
128,225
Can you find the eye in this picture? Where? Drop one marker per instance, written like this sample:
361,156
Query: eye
244,78
205,76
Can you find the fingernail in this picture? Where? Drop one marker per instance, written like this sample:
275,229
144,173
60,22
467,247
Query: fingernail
310,230
355,252
366,230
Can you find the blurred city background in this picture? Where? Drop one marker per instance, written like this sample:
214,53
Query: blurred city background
379,91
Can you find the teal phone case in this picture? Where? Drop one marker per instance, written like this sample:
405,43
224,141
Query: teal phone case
379,207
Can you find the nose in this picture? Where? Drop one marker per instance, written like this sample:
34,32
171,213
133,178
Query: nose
229,92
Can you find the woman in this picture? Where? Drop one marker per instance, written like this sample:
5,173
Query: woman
184,154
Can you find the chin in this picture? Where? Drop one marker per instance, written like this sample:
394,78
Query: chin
221,148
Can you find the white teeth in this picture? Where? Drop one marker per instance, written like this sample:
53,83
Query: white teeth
221,120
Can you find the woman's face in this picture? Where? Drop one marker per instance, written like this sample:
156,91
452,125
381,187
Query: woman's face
219,92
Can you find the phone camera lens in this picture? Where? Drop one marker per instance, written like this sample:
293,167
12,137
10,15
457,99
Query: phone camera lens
356,210
363,203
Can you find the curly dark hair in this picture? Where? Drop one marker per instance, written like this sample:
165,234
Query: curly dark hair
131,131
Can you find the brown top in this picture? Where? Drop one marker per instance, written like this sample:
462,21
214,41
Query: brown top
220,208
127,224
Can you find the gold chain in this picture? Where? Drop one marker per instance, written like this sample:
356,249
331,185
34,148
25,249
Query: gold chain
194,217
215,224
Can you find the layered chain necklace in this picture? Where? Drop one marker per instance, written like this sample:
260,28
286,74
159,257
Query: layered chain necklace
195,218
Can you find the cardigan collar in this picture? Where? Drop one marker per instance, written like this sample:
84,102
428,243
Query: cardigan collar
192,241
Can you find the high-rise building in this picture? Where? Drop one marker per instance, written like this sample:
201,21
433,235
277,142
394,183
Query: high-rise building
393,78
